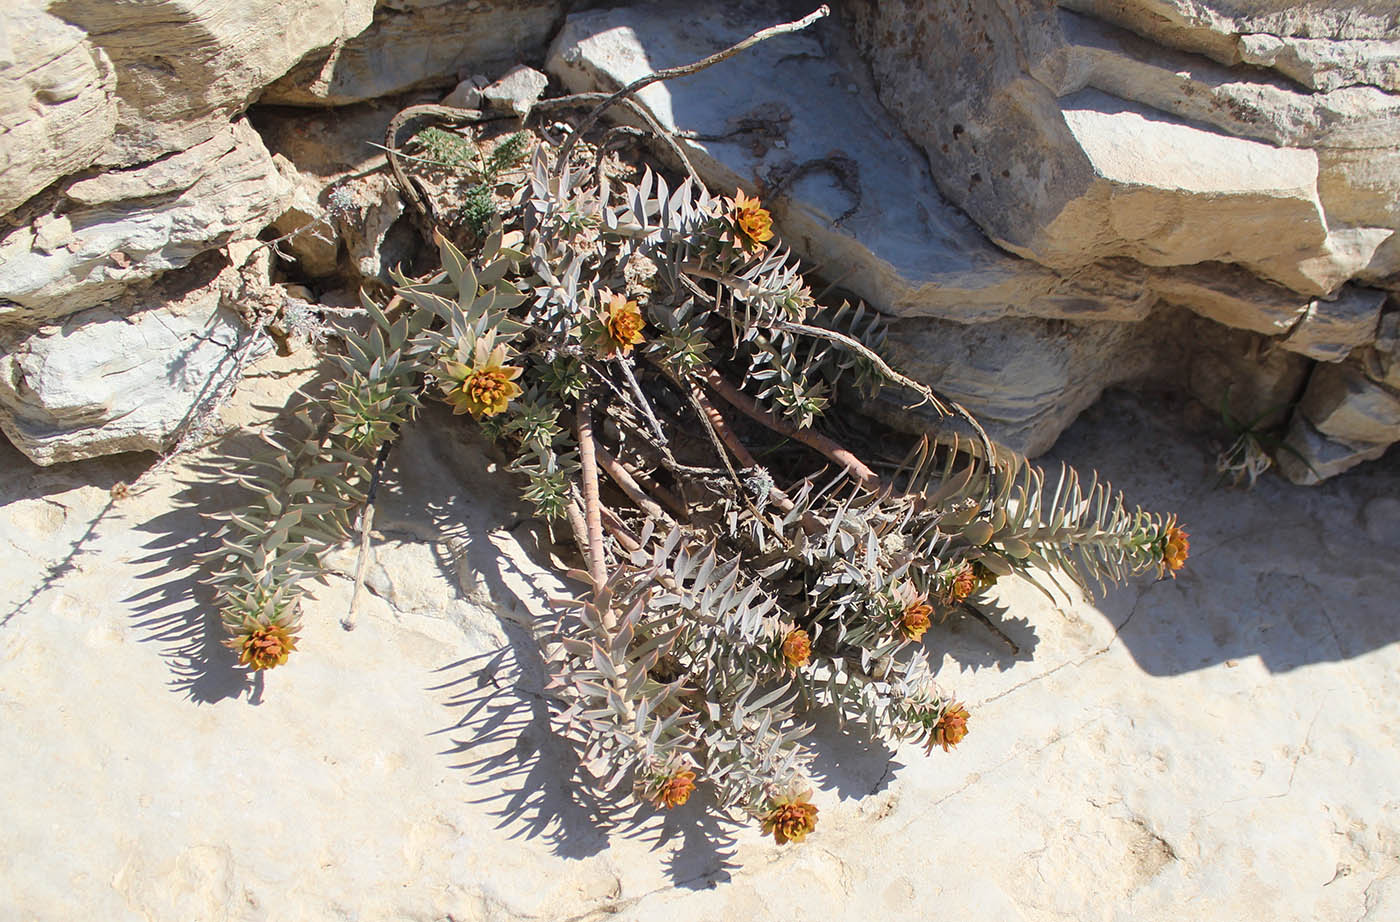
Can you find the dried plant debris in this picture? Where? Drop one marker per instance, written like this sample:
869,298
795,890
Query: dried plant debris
674,398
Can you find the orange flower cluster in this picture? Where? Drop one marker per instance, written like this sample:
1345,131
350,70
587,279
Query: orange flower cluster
951,727
1175,549
484,388
752,221
797,648
915,619
263,647
676,789
962,585
622,320
790,818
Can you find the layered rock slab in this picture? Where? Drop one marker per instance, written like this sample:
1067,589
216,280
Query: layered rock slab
849,190
187,67
415,43
57,101
131,375
109,231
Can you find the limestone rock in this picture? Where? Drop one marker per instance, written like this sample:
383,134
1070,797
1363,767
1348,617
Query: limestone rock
186,67
1283,35
126,226
1330,330
1343,404
415,43
851,192
1231,296
126,376
1237,371
1025,380
57,106
517,91
1319,458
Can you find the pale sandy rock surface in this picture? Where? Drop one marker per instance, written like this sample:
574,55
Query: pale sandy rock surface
1225,742
414,43
187,67
128,227
57,101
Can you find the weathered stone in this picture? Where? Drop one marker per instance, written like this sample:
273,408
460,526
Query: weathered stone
186,67
1225,29
365,211
416,43
1026,380
311,234
1343,404
131,225
1067,140
1326,64
1317,457
854,195
1238,371
129,375
1330,330
516,92
57,101
1231,296
1251,105
1361,189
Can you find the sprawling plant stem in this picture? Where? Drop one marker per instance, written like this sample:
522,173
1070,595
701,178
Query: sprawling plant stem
739,568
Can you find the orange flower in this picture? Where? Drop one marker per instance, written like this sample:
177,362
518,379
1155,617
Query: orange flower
951,727
1175,548
676,789
797,648
752,221
263,646
962,585
790,818
914,612
623,321
487,386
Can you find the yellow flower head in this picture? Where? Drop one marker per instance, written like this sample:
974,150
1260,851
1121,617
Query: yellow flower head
951,727
962,585
797,648
914,612
484,388
789,819
676,789
623,323
752,221
263,646
1175,549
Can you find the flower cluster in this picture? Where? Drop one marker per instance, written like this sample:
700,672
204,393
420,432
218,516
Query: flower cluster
263,645
486,385
790,818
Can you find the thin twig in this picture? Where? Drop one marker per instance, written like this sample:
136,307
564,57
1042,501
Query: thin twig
809,437
592,516
584,99
614,469
684,70
366,526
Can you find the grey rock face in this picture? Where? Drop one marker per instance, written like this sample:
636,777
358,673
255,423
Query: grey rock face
57,101
129,226
128,375
415,43
186,67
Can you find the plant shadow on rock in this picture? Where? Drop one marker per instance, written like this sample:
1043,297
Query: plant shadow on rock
176,609
504,732
26,481
1294,575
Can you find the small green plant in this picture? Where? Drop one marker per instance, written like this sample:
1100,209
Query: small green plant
636,348
437,149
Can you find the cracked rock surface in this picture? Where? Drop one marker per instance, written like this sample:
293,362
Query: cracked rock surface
1226,740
